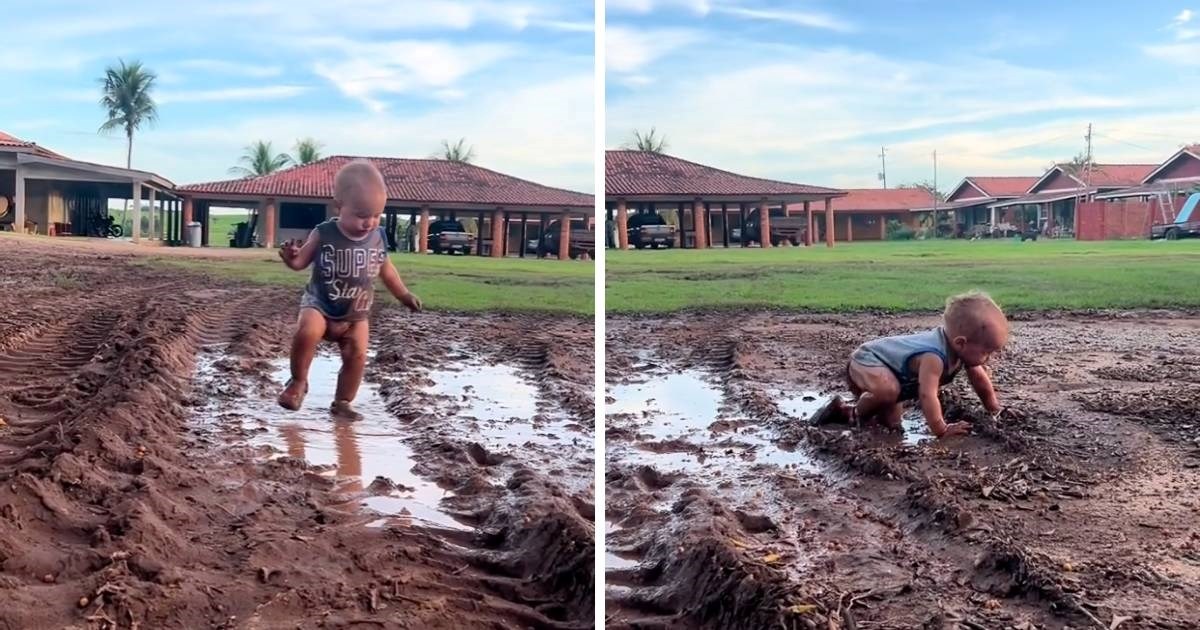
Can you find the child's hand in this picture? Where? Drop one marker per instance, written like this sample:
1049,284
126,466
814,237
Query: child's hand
954,429
411,301
289,250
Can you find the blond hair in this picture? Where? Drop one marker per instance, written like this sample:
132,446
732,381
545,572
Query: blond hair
354,176
967,314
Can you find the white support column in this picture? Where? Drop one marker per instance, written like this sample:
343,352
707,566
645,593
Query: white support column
993,218
19,199
136,231
153,215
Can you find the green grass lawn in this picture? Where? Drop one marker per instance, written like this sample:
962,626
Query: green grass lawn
908,276
445,283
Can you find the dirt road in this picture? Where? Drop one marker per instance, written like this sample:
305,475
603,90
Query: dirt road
151,483
1078,509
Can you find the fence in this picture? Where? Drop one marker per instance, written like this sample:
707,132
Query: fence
1115,220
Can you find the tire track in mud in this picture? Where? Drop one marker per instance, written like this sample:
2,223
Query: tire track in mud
995,531
118,513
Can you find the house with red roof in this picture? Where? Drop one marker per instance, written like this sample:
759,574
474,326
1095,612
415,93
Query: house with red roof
864,213
968,201
289,203
1051,201
45,192
711,206
1178,175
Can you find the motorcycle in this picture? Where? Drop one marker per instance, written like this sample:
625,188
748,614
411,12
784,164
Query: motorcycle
106,227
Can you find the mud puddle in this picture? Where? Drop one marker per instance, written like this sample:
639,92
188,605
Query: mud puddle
367,460
681,422
499,406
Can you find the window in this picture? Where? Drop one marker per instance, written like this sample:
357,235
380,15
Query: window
300,216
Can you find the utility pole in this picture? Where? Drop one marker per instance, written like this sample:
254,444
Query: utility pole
883,165
936,223
1087,165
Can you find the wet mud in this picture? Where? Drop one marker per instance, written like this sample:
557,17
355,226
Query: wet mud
149,481
1077,508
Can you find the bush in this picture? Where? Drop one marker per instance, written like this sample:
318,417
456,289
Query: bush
897,231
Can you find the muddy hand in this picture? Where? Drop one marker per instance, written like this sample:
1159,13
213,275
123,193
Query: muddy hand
412,302
289,250
955,429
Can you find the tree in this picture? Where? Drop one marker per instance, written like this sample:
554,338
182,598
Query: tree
307,151
260,159
1079,166
458,152
927,186
650,142
127,98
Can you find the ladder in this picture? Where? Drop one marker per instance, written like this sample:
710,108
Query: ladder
1166,204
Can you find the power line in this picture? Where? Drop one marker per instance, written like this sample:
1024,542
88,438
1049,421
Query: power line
1136,146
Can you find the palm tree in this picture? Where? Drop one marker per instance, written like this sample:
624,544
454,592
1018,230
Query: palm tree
1079,166
127,98
650,142
457,152
260,159
307,151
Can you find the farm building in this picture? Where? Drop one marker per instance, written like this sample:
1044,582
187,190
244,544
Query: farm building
969,200
505,211
1051,201
864,213
710,206
44,192
1129,212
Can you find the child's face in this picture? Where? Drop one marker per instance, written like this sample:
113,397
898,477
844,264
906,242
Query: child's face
360,213
978,349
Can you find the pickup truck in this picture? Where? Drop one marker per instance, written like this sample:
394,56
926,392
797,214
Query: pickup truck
650,230
783,228
1183,226
447,236
583,240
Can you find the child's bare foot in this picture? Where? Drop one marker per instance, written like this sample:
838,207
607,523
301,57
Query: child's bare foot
834,412
343,410
293,395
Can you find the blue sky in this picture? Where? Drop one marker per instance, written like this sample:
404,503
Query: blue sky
366,77
809,91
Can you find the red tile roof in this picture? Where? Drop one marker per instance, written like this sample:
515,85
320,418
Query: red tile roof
878,200
643,173
416,181
1004,186
1105,175
8,140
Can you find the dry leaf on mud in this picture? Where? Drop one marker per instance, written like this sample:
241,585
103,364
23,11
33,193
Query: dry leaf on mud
1117,621
802,609
771,558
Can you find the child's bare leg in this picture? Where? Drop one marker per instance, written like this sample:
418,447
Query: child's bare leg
893,417
353,344
310,328
880,392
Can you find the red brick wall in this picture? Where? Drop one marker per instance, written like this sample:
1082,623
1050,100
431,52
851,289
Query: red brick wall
1121,219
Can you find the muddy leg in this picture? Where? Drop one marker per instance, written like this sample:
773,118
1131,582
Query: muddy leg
893,417
310,328
354,362
880,392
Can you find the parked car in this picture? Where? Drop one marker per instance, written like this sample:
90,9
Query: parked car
1183,226
583,240
783,228
447,236
650,230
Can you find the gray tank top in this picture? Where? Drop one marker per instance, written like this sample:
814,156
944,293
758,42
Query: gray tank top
895,353
342,285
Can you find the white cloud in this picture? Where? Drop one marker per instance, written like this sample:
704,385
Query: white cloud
259,93
699,7
1183,17
798,18
629,50
541,132
820,112
366,72
1186,54
232,68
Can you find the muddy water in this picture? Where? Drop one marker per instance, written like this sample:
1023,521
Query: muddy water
683,422
354,454
803,405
